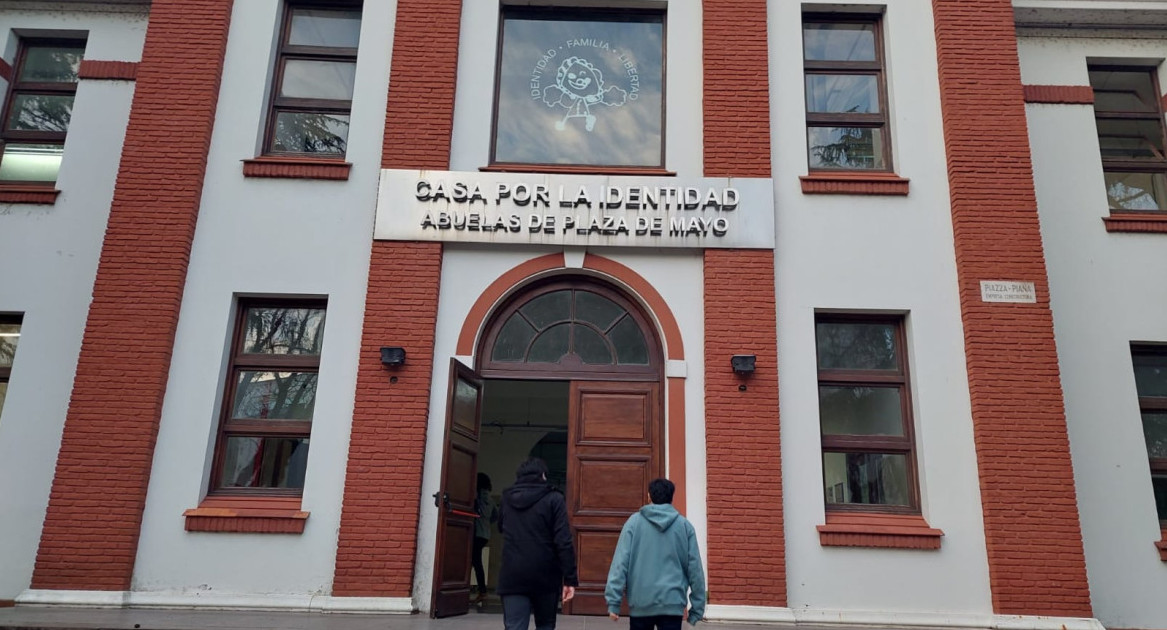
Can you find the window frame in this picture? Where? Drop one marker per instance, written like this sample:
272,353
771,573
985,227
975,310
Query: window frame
6,371
565,14
878,444
1158,466
1149,165
16,87
876,68
238,362
284,52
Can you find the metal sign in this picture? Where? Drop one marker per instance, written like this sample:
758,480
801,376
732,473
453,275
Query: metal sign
510,208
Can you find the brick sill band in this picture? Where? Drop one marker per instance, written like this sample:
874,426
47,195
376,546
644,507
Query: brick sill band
854,184
1136,222
248,515
296,168
19,193
1161,545
892,531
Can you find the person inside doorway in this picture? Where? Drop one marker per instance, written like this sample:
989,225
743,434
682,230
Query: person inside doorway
487,514
538,557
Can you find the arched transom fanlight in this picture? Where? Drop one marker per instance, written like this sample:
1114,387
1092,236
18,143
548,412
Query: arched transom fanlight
571,327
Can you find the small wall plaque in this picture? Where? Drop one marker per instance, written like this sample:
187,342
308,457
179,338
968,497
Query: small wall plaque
1008,291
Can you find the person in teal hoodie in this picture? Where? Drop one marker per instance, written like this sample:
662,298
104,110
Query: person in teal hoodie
657,566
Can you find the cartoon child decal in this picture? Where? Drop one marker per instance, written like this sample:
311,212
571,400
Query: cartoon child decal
578,86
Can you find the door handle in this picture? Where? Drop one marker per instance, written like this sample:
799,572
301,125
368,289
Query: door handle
442,499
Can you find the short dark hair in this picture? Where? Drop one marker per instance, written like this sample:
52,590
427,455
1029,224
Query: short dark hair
661,491
484,482
533,467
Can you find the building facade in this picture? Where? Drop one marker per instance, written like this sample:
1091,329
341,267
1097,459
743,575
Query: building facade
874,284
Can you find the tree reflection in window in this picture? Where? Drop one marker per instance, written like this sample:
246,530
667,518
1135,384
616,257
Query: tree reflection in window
571,323
39,110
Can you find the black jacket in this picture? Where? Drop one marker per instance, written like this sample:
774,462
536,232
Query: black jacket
537,552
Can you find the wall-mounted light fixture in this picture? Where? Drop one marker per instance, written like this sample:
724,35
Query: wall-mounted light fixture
743,364
392,356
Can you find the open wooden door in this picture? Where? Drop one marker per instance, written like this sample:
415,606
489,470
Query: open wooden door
455,498
615,449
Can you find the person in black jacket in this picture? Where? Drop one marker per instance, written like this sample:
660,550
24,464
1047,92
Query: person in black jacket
538,557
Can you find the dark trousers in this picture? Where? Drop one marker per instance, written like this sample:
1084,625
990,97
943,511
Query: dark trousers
476,560
659,622
517,610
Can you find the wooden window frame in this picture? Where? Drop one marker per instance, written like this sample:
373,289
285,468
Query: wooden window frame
876,68
900,377
1158,465
1149,165
568,14
239,362
284,52
17,87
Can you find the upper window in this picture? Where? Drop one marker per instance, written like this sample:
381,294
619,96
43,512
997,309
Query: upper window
9,335
580,89
1129,116
315,74
38,110
1151,383
270,398
846,99
865,414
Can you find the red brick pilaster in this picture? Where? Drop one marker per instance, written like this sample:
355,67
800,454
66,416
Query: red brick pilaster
741,427
94,516
1036,562
378,527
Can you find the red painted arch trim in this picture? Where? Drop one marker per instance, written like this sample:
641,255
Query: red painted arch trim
493,293
675,348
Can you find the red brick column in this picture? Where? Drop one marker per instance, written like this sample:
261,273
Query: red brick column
91,528
747,556
378,526
1036,562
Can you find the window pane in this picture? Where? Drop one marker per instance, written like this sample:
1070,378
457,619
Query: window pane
591,347
551,345
1123,91
1131,139
9,337
1151,374
318,27
274,395
51,64
856,346
513,339
283,330
1155,433
3,394
842,93
31,162
1135,191
628,338
596,309
866,478
310,132
1159,484
845,147
581,92
838,42
548,309
860,411
331,80
254,462
40,112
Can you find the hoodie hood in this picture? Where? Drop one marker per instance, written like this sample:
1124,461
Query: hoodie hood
526,492
661,516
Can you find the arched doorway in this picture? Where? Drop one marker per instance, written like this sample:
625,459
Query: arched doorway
571,363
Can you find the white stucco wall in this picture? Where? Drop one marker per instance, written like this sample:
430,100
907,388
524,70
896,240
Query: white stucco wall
1106,290
868,253
273,237
49,254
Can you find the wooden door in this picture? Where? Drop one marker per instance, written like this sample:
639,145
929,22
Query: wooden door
455,498
615,448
